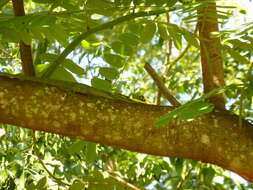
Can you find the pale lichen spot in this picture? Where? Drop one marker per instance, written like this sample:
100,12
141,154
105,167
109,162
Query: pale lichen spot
235,163
35,110
113,117
1,94
205,139
216,123
139,134
56,124
117,138
108,136
39,93
73,116
137,124
109,110
98,102
220,149
92,122
172,131
81,112
91,105
105,118
44,114
85,131
29,114
81,104
3,104
242,157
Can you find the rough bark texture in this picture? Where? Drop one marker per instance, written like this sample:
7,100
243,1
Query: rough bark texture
211,56
213,138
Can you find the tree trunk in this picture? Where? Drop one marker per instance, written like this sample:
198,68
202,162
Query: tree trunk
215,138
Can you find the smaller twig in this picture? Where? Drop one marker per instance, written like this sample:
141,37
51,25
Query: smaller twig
182,54
37,153
182,182
122,181
159,82
185,50
158,98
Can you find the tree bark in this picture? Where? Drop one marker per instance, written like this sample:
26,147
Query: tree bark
211,56
215,138
25,49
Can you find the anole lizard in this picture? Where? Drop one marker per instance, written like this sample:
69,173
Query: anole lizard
73,87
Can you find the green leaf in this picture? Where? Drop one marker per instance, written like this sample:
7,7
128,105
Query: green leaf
101,84
102,7
241,45
179,166
170,3
85,44
237,56
36,33
208,175
48,57
42,21
129,38
43,1
187,111
163,31
58,32
42,183
148,32
176,35
31,186
77,185
62,74
135,27
73,67
40,68
3,3
121,48
114,60
91,152
109,73
67,63
190,38
26,38
76,147
11,35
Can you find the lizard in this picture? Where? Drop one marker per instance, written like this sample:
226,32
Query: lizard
74,87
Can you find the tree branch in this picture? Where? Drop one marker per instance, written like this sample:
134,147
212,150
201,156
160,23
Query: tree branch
211,56
25,50
91,31
214,138
159,82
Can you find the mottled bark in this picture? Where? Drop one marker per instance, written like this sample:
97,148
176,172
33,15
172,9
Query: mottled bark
211,56
213,138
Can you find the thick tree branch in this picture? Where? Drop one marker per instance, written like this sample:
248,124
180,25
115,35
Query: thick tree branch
25,50
211,56
159,82
213,138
